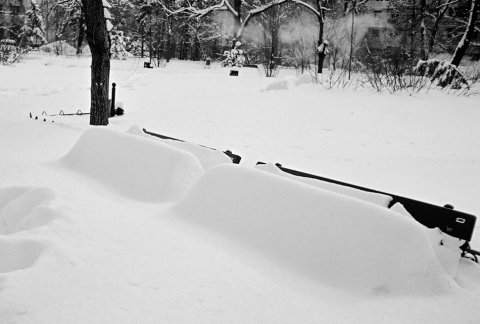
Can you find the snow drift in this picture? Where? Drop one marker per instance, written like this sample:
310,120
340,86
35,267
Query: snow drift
321,235
379,199
137,167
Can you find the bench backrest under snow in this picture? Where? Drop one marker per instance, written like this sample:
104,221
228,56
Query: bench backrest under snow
452,222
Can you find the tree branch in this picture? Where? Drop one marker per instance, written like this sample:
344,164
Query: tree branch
309,7
448,3
463,22
199,13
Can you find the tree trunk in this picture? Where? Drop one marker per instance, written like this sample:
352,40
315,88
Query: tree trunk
184,45
81,34
196,49
150,43
433,33
142,42
237,21
99,42
412,29
321,56
274,27
423,31
467,35
169,40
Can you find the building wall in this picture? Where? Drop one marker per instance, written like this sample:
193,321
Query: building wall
381,32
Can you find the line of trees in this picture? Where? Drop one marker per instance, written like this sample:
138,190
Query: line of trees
187,29
196,29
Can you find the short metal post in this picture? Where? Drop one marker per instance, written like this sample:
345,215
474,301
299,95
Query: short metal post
112,108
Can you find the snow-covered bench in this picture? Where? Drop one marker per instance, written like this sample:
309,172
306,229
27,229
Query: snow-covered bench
452,222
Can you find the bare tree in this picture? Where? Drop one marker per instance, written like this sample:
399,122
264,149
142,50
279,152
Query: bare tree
467,35
440,9
423,30
241,16
99,42
318,9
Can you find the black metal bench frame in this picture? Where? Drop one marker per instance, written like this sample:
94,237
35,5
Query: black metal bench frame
235,158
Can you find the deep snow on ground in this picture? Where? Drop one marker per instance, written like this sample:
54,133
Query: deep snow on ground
114,226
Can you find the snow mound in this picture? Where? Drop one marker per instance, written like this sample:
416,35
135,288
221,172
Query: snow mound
379,199
288,83
320,235
304,79
59,48
137,167
282,84
207,157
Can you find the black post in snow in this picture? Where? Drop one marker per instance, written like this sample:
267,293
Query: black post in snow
112,107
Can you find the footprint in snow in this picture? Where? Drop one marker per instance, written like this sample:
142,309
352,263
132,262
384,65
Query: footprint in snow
18,254
25,208
22,209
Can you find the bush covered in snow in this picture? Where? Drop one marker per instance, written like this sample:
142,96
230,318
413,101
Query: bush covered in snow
9,52
442,73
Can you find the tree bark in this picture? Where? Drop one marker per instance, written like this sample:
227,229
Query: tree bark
99,42
423,31
412,29
237,20
150,44
321,55
142,42
81,34
169,40
321,23
433,33
467,35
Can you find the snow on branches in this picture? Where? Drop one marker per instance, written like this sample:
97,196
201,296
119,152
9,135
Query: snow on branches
242,17
107,15
442,73
117,48
32,31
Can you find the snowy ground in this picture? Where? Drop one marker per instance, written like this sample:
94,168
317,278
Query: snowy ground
105,226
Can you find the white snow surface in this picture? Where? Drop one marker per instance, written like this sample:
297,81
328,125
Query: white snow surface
109,225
